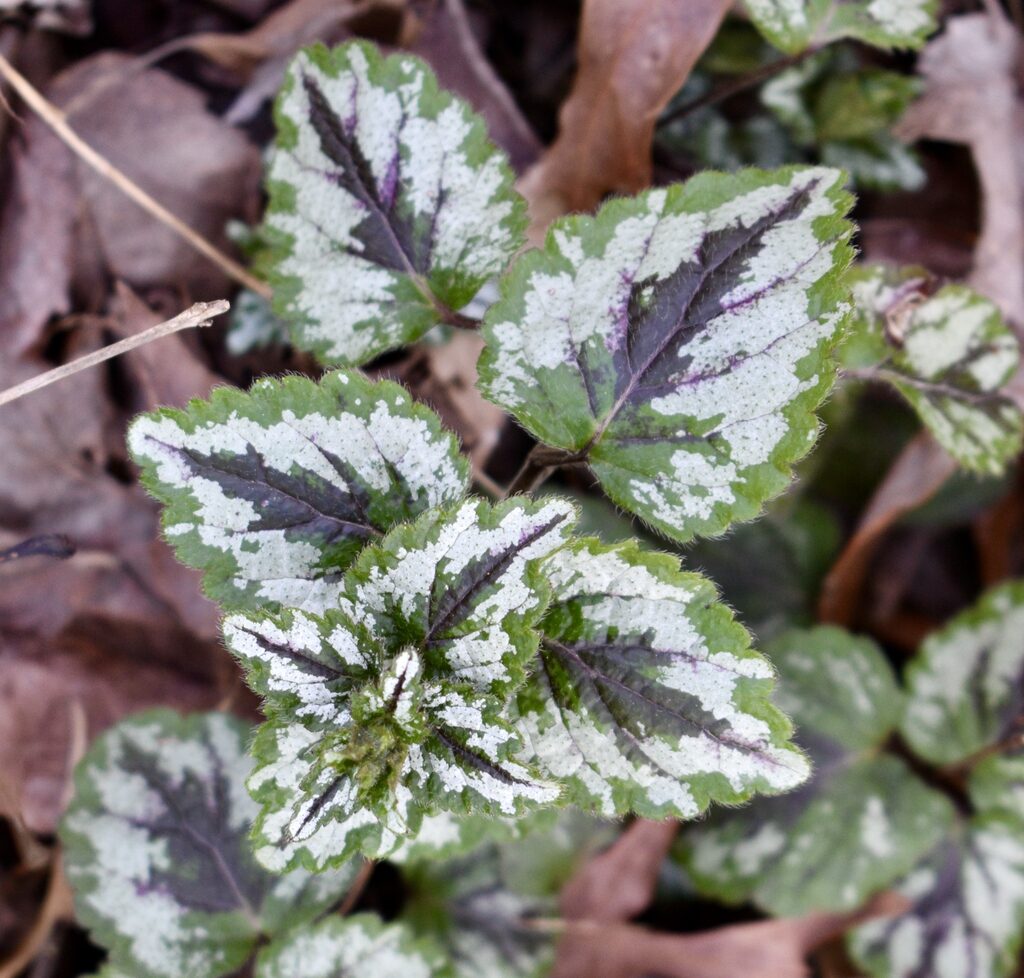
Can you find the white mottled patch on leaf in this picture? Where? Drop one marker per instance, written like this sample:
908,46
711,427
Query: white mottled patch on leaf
356,947
716,309
394,706
156,850
795,25
862,819
963,682
403,208
273,493
645,699
967,912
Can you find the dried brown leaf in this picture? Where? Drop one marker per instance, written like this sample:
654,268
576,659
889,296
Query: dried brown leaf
619,883
766,949
633,57
971,97
917,474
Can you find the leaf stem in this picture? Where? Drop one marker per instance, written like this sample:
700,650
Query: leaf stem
355,891
535,470
57,121
731,88
196,315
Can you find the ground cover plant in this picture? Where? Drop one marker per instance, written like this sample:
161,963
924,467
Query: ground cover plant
518,535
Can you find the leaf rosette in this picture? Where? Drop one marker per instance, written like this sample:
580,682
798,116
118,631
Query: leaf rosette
396,705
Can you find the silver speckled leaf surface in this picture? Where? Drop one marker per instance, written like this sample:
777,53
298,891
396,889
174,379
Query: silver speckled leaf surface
478,906
794,25
680,341
389,207
860,822
274,492
967,910
354,947
157,852
966,681
647,696
949,355
395,706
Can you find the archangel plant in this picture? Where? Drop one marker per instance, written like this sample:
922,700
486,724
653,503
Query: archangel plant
440,672
917,787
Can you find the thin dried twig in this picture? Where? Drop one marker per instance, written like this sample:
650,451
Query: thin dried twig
57,121
197,315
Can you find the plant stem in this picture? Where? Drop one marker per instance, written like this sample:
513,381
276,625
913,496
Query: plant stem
535,470
196,315
731,88
57,121
355,891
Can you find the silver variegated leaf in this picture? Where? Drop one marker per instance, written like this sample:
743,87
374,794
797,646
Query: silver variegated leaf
857,825
481,906
273,493
965,684
395,705
389,208
679,341
967,910
647,696
156,850
355,947
997,783
949,355
794,25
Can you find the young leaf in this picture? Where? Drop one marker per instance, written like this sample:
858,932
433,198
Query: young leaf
845,114
395,705
966,680
156,850
389,207
648,697
273,493
967,913
678,341
949,355
794,25
862,820
353,947
479,906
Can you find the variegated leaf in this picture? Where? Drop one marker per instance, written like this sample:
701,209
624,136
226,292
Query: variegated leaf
795,25
862,820
967,910
967,682
389,208
354,947
479,906
647,697
395,705
273,493
949,355
446,835
157,853
679,341
997,784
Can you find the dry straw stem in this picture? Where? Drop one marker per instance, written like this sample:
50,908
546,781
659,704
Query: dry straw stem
56,120
199,314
